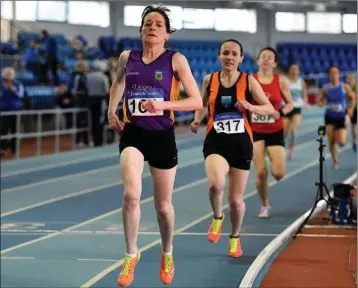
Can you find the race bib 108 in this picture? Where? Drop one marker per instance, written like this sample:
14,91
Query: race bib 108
229,123
256,118
136,97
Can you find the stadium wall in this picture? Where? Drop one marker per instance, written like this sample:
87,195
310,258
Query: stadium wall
266,33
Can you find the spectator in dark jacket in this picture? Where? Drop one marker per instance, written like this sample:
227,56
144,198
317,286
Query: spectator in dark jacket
52,57
80,96
65,101
11,99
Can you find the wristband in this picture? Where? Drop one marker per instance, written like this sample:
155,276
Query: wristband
281,113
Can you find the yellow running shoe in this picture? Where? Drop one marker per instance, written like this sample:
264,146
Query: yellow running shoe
215,229
235,247
126,276
167,269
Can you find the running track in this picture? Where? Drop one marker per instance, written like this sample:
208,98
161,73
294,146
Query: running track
61,216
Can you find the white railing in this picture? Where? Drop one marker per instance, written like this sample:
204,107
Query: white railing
39,134
57,128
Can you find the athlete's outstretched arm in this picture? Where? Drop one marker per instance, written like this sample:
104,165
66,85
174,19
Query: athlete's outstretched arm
193,101
200,113
264,107
116,92
353,98
286,94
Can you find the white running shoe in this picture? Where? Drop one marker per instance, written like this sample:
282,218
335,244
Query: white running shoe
264,212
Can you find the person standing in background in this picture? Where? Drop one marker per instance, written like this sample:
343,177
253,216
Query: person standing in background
11,99
52,58
80,96
98,89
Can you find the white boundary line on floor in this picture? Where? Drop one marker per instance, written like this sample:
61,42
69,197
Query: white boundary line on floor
260,261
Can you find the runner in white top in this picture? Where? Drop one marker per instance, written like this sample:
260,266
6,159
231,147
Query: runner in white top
291,121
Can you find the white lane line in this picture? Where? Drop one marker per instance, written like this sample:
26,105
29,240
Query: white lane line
24,232
100,217
80,160
16,258
58,165
101,157
87,191
80,174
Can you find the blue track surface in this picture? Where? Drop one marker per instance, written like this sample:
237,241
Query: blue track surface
61,216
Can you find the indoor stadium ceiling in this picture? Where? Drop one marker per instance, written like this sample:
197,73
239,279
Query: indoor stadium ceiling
349,6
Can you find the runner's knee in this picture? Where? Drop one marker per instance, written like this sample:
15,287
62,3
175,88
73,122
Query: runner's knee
216,188
278,174
163,207
236,202
131,197
261,176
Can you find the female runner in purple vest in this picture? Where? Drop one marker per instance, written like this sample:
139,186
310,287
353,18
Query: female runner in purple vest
149,80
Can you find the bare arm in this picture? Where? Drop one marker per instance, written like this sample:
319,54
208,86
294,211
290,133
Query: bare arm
118,84
193,101
200,113
265,107
351,95
304,91
322,97
286,94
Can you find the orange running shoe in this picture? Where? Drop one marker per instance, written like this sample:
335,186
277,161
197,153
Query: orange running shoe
215,229
167,269
126,276
235,247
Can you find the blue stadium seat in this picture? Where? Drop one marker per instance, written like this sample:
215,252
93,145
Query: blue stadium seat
317,57
24,38
8,48
41,97
202,55
60,38
26,77
109,46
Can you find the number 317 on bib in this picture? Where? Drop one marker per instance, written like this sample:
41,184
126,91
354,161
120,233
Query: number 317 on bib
229,124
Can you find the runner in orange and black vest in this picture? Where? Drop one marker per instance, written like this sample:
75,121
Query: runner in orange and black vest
228,147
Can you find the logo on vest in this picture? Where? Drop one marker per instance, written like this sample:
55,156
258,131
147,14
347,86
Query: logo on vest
226,101
158,75
132,73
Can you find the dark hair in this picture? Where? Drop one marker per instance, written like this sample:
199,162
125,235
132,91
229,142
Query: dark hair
162,10
235,41
331,67
268,48
44,33
293,64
